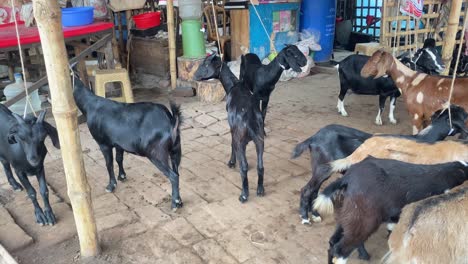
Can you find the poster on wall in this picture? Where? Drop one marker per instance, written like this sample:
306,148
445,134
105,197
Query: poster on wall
412,8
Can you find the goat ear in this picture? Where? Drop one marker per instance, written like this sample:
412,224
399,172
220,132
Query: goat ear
52,132
383,64
41,117
11,135
18,118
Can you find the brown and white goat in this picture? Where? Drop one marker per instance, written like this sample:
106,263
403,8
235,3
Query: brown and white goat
433,230
405,149
424,94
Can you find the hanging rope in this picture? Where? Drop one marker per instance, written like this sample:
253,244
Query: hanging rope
28,102
263,25
454,74
215,18
396,29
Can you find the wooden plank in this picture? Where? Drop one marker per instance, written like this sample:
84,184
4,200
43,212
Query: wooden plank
240,26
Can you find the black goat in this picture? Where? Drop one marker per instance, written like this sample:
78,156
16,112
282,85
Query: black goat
349,70
244,117
144,129
261,79
335,142
22,146
374,191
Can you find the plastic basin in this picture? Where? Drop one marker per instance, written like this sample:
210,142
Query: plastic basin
77,16
147,20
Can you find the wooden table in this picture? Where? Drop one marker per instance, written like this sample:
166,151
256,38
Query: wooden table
29,37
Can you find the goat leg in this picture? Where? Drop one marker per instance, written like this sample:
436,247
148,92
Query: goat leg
9,174
163,165
176,155
260,170
40,217
119,153
49,214
378,118
107,152
264,108
232,161
244,167
363,254
391,115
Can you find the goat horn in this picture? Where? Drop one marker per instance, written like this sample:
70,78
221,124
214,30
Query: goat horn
41,117
18,118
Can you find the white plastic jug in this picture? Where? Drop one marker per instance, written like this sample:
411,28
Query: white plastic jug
17,87
190,9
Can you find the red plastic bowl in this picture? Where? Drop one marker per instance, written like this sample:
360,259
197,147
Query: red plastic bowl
147,20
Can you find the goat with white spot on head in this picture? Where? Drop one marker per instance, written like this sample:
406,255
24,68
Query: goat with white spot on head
421,92
349,73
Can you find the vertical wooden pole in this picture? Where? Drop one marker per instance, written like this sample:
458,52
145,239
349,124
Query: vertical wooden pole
172,43
49,22
450,34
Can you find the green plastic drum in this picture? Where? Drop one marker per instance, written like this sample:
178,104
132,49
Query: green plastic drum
193,42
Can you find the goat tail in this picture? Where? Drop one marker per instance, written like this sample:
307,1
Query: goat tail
340,165
176,120
324,202
300,148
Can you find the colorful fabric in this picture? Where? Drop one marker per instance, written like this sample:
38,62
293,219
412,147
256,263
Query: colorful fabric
412,8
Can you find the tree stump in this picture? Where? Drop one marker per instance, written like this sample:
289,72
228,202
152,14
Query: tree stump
211,91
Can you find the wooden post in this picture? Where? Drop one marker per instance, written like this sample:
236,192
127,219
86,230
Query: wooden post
450,37
172,43
49,22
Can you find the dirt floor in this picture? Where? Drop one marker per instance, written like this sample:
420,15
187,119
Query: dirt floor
136,224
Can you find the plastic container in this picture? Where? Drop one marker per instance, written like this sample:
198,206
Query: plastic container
17,87
193,42
77,16
147,20
190,9
324,27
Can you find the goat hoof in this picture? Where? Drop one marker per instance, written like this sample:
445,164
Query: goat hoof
17,188
50,217
363,255
111,187
243,198
231,164
260,191
122,177
40,217
305,221
393,121
177,204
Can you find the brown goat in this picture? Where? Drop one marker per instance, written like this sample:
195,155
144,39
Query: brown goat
433,230
407,150
424,94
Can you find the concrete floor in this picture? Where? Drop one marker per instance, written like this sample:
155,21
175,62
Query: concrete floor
136,224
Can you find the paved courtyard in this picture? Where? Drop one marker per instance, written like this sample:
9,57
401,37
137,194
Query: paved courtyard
136,224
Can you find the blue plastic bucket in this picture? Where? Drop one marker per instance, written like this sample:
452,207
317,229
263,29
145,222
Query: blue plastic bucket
318,17
77,16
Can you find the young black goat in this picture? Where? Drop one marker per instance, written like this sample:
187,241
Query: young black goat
244,117
335,142
374,191
22,146
261,79
426,60
144,129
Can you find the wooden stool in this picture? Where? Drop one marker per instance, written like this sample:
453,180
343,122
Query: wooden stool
366,48
117,75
